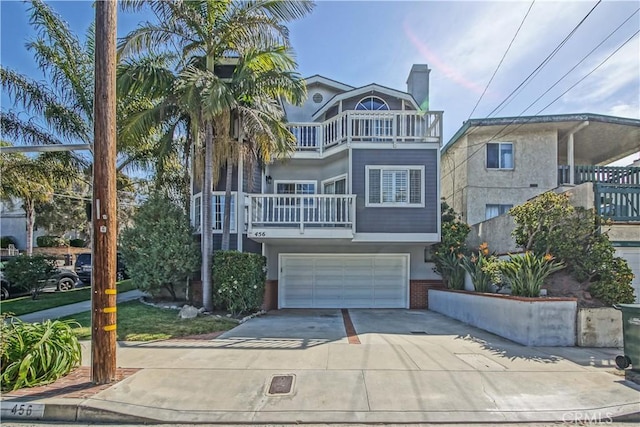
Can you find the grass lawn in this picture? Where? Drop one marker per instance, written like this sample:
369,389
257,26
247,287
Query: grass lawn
25,305
140,322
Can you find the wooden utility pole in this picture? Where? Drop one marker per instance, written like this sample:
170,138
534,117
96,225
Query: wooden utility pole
103,275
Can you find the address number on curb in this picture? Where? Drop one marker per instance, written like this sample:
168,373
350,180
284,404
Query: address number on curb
22,410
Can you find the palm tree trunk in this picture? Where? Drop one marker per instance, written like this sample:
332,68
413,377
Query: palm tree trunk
207,218
226,222
31,218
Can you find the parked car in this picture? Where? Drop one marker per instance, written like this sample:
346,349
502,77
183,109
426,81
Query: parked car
63,280
83,267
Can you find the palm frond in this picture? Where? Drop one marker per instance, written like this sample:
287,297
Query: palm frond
25,131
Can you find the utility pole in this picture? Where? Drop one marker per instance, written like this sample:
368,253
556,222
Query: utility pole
103,275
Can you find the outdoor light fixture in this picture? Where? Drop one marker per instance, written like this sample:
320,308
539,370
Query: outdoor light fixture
269,179
428,253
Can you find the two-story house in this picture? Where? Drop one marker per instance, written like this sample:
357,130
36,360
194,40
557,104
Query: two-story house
491,165
345,221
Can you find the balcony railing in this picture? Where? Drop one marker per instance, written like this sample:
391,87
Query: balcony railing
618,202
301,211
600,174
365,126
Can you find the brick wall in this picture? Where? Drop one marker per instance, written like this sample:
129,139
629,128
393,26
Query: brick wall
270,295
419,292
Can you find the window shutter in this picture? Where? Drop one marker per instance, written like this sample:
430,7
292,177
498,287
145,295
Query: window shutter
374,185
415,188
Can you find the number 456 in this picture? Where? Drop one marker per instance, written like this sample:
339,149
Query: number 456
22,410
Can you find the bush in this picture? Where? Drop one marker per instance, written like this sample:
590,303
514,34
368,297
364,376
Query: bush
159,249
484,269
50,241
238,281
30,272
36,353
77,243
526,273
614,286
5,241
452,247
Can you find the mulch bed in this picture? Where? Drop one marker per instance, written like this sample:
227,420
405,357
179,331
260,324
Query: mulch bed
76,385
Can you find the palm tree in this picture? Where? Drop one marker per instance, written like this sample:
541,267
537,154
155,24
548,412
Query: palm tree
201,35
32,181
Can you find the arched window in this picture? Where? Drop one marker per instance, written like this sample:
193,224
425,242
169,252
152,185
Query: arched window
372,103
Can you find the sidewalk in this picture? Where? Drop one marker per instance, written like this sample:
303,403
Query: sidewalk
450,373
78,307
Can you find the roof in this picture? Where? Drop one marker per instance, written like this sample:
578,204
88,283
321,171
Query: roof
606,138
318,79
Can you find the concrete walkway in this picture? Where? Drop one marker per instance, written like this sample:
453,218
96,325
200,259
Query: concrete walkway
78,307
411,367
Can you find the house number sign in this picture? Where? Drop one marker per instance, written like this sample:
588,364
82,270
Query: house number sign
22,410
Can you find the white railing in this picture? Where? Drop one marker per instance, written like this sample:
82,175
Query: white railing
300,211
368,126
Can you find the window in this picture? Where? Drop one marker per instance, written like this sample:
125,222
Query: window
218,211
302,187
337,185
500,155
372,103
395,186
492,211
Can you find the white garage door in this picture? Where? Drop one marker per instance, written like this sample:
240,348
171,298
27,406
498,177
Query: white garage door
343,281
632,255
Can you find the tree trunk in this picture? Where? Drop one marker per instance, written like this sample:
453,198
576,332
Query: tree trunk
207,218
226,221
31,218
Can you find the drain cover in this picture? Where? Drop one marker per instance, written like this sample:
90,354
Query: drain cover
281,384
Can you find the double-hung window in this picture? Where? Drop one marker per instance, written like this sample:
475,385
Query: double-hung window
395,186
197,212
500,155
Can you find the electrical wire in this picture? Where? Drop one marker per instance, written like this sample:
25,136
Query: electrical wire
501,60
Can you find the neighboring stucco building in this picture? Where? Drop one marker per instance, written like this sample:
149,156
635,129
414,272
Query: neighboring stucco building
491,165
13,222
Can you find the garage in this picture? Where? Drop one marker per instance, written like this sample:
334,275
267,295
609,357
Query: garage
343,280
632,255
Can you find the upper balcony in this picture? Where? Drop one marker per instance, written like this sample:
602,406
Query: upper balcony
349,127
620,175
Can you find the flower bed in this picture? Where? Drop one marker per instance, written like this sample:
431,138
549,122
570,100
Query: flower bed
528,321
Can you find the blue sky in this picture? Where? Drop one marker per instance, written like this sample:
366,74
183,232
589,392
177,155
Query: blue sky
360,42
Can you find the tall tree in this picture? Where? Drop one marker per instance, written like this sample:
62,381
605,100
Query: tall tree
202,35
32,180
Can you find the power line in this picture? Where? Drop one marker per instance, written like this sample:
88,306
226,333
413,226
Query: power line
539,68
501,60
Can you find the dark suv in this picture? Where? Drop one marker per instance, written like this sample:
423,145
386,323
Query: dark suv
83,268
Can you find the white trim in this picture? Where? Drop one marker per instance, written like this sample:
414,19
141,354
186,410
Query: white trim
390,145
372,97
363,90
405,255
233,230
500,143
397,237
382,204
197,228
261,234
318,79
334,179
240,220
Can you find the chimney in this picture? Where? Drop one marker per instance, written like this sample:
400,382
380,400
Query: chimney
418,84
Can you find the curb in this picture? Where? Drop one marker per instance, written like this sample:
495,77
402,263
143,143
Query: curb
76,413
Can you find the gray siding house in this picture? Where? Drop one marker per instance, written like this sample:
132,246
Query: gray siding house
346,221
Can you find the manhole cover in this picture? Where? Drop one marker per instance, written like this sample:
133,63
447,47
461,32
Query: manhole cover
281,384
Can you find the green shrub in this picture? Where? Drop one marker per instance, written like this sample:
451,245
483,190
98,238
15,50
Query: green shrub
36,353
5,241
30,272
449,252
50,241
77,243
159,249
238,281
614,285
526,273
484,269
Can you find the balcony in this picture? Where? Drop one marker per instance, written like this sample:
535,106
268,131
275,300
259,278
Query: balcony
301,216
600,174
368,126
620,203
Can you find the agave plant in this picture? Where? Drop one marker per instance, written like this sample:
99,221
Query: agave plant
526,273
36,353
